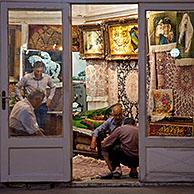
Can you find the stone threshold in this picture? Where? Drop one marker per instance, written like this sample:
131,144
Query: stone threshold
92,183
114,183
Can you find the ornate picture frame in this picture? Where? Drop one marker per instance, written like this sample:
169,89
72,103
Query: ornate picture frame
162,28
122,39
92,41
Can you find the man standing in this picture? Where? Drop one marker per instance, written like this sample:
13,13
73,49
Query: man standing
107,127
37,79
22,120
126,152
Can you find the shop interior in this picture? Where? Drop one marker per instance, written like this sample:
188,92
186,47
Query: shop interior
105,70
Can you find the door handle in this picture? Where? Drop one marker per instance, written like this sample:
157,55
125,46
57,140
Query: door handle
4,98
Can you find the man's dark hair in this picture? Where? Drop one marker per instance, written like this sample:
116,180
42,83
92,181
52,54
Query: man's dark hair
129,121
38,64
167,20
36,92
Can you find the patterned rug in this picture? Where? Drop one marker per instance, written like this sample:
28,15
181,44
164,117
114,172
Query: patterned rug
87,168
96,79
178,78
127,75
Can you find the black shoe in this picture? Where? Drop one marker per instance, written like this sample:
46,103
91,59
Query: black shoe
133,174
117,175
107,176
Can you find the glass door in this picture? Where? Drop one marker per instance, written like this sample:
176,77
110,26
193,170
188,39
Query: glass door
166,83
35,134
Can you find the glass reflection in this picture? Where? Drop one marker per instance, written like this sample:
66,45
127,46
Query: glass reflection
35,73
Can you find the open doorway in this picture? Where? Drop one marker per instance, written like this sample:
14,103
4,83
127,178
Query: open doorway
104,72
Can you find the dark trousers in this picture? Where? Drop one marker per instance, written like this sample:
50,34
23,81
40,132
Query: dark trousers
117,157
99,139
41,115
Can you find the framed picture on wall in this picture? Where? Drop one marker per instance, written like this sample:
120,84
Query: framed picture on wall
185,38
122,39
162,27
45,37
91,41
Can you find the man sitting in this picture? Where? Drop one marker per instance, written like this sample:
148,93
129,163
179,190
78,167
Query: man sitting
107,127
22,119
121,147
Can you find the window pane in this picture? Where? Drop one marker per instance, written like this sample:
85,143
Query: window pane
171,66
35,73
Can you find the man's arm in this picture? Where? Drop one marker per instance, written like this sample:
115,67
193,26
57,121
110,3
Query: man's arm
102,127
108,141
18,88
29,123
40,132
93,143
52,92
95,133
52,88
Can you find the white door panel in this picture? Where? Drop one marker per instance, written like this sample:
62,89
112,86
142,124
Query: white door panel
166,156
24,158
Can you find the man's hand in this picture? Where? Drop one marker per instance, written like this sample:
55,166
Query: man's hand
48,103
104,139
93,144
40,132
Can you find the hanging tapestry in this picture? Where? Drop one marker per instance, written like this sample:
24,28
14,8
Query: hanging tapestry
45,37
96,79
127,74
112,83
178,78
163,101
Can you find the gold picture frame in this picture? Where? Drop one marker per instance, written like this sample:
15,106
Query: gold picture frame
122,39
92,41
162,27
